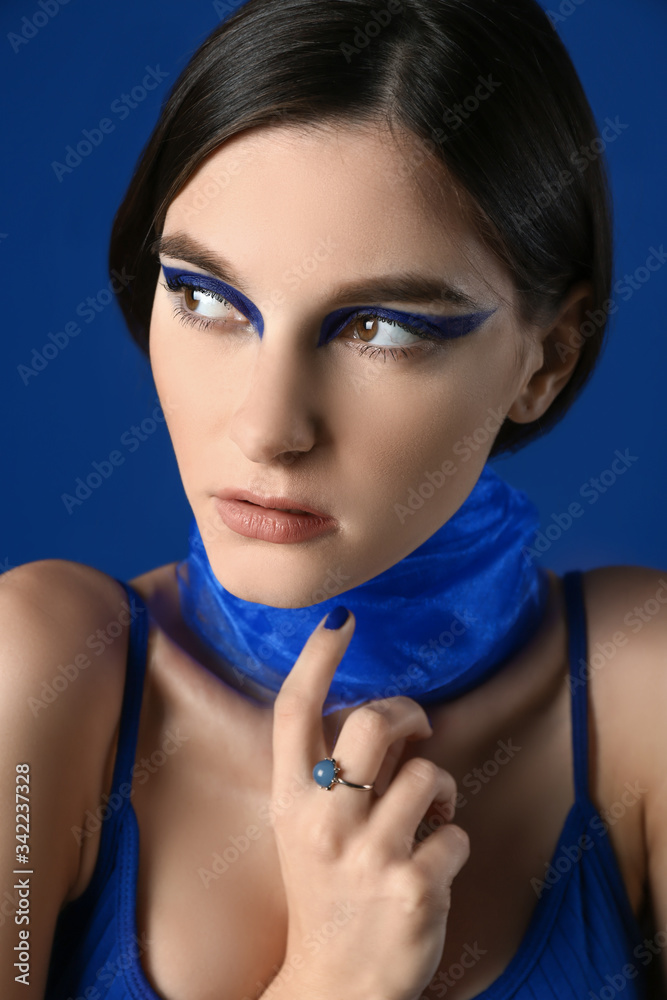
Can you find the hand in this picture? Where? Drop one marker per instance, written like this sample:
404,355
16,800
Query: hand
351,869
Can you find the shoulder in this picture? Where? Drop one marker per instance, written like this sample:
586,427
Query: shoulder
626,672
48,584
57,607
62,674
626,589
626,612
56,624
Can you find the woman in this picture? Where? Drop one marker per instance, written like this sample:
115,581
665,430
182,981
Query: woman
341,263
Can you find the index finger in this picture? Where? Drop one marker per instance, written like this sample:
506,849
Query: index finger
298,732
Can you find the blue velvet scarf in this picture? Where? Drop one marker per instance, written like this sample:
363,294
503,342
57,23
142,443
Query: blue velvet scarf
436,624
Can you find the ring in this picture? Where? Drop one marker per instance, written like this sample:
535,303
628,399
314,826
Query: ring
325,774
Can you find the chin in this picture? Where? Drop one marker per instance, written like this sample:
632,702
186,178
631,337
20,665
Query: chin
280,588
280,596
281,577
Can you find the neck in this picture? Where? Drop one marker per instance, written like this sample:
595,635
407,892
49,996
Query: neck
435,625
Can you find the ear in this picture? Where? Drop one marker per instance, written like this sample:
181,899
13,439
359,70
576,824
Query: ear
558,349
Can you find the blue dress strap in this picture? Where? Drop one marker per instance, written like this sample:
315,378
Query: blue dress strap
113,810
133,691
578,658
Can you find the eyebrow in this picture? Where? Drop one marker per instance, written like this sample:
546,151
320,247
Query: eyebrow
405,286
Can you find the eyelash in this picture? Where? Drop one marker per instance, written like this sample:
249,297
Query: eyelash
188,318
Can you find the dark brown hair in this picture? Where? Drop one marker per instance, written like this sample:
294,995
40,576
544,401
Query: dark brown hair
486,86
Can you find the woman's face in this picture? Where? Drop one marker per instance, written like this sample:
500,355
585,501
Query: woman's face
342,426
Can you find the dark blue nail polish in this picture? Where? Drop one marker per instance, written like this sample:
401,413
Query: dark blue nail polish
337,617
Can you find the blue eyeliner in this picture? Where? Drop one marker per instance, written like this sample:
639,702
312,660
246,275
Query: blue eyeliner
438,327
233,296
442,327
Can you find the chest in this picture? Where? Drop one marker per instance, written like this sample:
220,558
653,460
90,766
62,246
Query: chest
210,902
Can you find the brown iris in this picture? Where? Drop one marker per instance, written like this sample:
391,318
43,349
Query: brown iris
190,299
366,327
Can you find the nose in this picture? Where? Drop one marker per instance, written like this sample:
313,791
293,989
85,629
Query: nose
277,416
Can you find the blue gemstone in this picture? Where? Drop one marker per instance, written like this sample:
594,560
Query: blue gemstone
324,773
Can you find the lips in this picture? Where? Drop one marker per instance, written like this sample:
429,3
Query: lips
271,524
291,505
287,510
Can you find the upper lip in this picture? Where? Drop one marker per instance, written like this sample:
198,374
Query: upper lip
277,502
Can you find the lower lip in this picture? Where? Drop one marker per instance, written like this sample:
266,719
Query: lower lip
270,525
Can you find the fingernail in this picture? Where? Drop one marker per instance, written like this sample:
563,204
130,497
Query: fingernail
337,617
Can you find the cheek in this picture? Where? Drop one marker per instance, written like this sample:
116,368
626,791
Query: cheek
420,440
404,420
162,347
177,375
388,440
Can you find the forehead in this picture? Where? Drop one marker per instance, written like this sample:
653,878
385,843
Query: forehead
270,196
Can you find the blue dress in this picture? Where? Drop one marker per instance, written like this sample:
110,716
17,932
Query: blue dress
582,943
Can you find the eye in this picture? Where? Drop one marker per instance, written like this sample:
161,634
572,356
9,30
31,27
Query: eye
208,304
376,332
381,337
201,307
370,327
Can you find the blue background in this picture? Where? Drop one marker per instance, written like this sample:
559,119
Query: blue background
53,244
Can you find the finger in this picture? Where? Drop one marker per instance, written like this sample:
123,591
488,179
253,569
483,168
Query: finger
393,758
298,731
397,816
389,766
442,855
365,739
